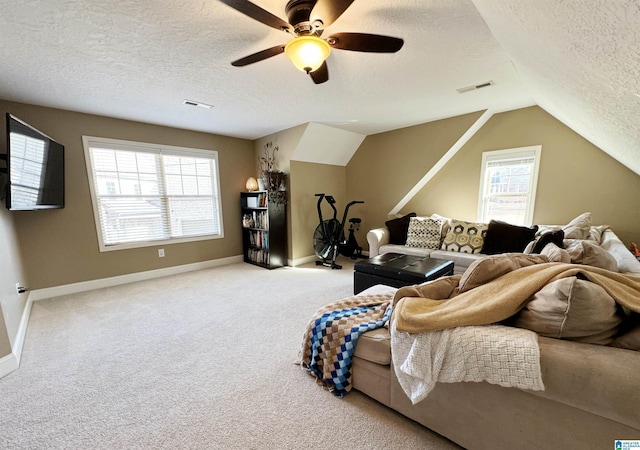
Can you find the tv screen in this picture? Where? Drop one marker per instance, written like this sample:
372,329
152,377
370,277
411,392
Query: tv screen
35,164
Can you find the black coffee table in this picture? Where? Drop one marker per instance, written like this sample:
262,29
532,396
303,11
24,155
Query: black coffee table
397,270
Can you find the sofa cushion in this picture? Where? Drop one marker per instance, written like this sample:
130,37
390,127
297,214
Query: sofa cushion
461,261
424,232
403,249
398,229
578,228
375,346
629,340
591,254
571,308
465,237
503,237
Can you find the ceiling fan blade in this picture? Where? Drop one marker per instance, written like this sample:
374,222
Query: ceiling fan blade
259,14
259,56
328,11
321,74
363,42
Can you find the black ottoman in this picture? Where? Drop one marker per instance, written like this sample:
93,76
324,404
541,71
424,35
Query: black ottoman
397,270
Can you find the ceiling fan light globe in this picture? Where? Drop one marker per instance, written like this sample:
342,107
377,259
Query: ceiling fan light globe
307,53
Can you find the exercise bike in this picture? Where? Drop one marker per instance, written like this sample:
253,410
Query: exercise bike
328,237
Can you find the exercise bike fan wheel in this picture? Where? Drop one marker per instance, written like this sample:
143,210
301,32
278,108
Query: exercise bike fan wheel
326,238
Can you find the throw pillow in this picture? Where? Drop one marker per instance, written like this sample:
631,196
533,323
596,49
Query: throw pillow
503,237
446,223
464,237
555,253
489,268
590,254
596,232
574,309
424,232
578,228
554,237
398,229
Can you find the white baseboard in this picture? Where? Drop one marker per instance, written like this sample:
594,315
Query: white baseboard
55,291
309,259
22,329
8,364
301,261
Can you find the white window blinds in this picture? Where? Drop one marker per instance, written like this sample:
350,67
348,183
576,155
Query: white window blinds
147,194
507,185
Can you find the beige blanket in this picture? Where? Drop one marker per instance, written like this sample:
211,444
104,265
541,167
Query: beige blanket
439,305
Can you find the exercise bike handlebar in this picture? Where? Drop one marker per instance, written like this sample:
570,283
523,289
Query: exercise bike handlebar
346,210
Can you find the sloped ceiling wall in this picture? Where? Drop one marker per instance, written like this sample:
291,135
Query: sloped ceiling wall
580,61
327,145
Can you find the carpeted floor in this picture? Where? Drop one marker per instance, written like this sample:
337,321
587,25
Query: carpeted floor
199,360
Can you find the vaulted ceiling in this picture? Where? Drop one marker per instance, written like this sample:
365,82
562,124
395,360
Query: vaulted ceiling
577,59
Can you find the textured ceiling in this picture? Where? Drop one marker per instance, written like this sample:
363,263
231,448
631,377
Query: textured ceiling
136,60
580,60
140,60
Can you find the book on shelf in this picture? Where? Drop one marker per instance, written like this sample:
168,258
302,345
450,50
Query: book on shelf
258,255
260,219
259,238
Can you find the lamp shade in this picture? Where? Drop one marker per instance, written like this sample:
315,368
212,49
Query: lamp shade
252,184
307,53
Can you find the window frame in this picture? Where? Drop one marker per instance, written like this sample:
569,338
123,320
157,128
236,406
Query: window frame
509,154
142,147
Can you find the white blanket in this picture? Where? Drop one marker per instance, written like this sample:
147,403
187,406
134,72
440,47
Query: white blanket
497,354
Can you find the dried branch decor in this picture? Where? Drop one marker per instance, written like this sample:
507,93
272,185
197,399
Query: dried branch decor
274,180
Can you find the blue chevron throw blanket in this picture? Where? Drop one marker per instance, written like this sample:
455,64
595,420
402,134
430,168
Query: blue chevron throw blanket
332,333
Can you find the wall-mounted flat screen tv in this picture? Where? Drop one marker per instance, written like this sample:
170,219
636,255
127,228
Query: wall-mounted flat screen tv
35,167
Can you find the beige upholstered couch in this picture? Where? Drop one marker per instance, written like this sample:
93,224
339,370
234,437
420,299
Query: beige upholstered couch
591,395
452,231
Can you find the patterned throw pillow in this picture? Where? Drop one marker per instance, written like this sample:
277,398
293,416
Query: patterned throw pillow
424,232
465,237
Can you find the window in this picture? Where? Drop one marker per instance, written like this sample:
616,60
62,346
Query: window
146,194
508,181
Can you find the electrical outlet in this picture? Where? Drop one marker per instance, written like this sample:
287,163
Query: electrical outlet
20,289
161,252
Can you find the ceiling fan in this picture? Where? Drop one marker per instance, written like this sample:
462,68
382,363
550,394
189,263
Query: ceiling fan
307,20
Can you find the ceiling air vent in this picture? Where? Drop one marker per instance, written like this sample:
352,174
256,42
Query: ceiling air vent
199,104
475,87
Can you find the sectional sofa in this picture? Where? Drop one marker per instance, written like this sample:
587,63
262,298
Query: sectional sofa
591,394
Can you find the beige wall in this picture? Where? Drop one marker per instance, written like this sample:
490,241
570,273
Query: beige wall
5,345
11,272
308,179
286,141
59,247
388,165
575,176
